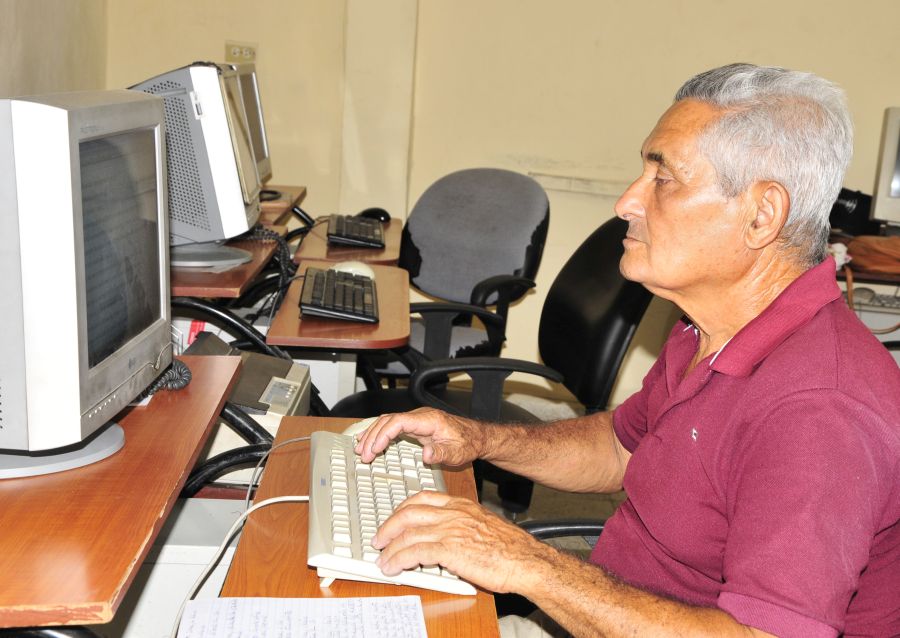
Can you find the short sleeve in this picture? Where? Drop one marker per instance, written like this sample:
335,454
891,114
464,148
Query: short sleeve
630,418
806,485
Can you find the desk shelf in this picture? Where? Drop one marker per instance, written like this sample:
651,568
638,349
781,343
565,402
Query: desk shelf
71,542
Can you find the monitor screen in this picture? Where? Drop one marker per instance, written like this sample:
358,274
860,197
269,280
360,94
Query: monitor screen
240,132
253,108
886,198
119,204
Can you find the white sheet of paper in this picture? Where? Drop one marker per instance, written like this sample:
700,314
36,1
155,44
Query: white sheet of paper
395,616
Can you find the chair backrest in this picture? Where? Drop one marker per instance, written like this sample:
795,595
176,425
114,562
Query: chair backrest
590,315
471,225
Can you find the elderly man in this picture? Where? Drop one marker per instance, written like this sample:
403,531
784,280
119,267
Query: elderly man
761,458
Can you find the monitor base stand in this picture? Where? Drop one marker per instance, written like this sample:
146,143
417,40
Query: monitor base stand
97,447
211,255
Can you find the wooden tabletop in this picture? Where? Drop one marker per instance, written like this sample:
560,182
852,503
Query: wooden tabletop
867,277
315,246
276,212
231,283
271,555
392,330
71,542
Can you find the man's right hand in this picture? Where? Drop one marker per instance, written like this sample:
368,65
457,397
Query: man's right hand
445,439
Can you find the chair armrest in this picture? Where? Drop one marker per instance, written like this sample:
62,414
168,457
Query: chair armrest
563,527
508,288
439,316
486,316
487,374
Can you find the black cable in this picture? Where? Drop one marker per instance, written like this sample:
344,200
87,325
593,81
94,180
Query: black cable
244,426
286,265
220,464
176,377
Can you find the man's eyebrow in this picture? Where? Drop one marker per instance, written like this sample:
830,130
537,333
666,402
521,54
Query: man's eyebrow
656,157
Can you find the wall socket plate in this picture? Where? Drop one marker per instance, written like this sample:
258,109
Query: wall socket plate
240,51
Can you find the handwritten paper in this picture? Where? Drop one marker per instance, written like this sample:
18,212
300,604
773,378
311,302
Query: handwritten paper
395,616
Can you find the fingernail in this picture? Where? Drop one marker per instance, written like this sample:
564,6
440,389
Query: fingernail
375,542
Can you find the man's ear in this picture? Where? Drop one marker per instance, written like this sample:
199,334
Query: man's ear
771,205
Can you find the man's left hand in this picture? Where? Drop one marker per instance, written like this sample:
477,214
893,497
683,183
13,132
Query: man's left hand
431,528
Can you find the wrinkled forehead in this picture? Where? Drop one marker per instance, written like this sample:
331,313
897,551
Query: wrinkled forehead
680,127
674,143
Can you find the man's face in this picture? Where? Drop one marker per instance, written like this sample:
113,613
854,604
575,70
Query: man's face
683,233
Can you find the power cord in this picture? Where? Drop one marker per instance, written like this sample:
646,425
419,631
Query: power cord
255,476
221,550
217,556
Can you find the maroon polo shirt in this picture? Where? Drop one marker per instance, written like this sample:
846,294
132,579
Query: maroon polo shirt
767,481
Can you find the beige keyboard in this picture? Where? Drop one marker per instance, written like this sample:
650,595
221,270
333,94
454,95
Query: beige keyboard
349,499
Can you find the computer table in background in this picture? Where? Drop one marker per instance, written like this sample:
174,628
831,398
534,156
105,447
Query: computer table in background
270,559
315,246
392,284
231,283
71,542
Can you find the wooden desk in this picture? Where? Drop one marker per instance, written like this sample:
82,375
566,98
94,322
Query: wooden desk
270,559
315,246
231,283
71,542
392,330
277,212
864,277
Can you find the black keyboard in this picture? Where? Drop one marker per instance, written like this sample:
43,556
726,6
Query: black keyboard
345,230
338,295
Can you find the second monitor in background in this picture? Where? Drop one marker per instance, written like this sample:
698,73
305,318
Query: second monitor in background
213,183
259,142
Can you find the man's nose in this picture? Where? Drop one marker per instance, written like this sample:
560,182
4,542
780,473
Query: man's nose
630,205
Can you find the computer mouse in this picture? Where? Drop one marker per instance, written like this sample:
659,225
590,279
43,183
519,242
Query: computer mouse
360,426
863,295
375,213
355,268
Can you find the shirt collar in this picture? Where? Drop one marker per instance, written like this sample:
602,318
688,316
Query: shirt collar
793,308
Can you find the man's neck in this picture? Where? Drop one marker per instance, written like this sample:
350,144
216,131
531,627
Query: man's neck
720,312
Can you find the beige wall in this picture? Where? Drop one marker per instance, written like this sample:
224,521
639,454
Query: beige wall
571,88
51,45
300,61
371,102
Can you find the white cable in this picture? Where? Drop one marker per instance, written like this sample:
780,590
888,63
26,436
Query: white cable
219,552
254,476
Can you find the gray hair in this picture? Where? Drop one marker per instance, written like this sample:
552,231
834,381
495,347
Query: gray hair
791,127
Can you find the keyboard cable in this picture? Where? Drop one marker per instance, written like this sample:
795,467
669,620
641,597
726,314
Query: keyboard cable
236,526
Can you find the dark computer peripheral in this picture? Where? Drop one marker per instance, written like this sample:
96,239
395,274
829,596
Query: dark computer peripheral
269,195
304,217
361,232
375,213
338,295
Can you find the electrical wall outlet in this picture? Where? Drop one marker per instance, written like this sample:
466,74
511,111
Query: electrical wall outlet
240,51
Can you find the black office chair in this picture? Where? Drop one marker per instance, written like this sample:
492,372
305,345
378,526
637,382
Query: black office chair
588,319
474,239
